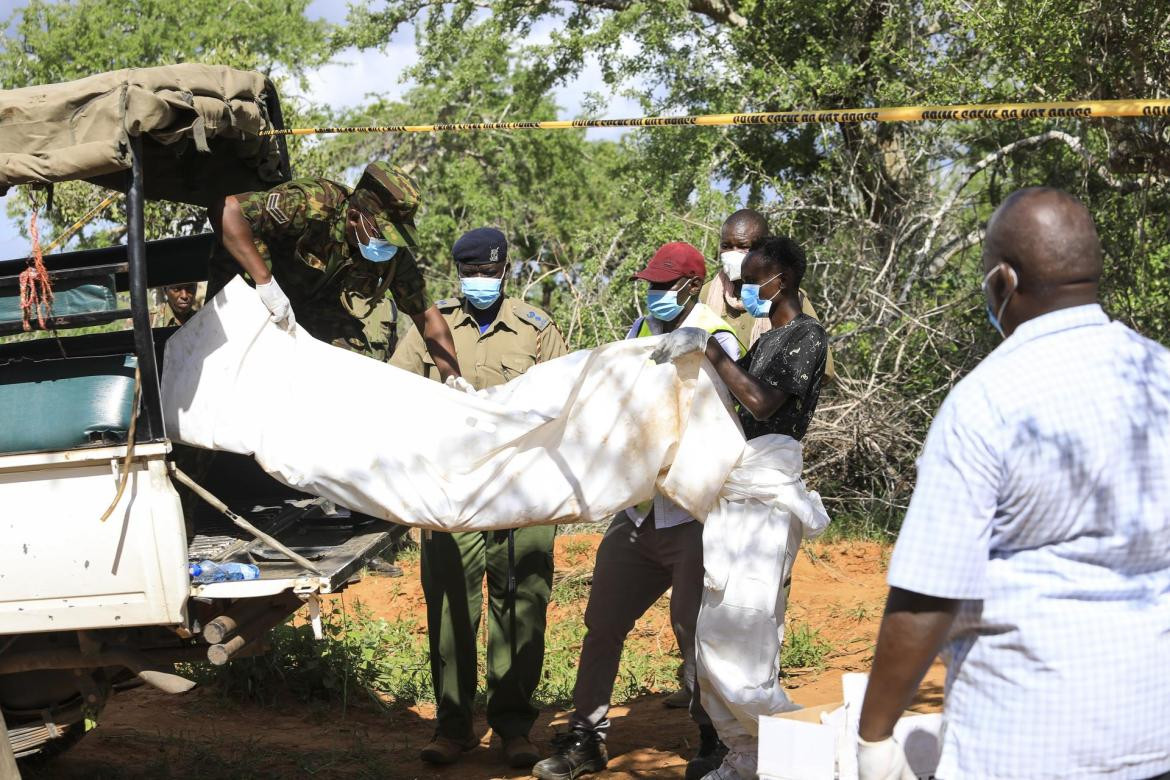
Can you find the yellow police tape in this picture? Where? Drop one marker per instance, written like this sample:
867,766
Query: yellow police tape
68,232
1004,111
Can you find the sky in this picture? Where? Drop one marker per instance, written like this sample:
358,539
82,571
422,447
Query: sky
357,74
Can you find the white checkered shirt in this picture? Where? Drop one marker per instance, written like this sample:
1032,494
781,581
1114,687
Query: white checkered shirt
1043,503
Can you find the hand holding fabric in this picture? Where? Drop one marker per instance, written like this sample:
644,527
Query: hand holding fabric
279,306
460,384
882,760
678,343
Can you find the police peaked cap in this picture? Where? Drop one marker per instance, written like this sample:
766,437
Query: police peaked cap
482,245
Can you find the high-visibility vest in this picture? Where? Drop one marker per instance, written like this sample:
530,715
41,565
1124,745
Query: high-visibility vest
702,316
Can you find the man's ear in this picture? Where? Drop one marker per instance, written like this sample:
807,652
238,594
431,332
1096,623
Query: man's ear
696,285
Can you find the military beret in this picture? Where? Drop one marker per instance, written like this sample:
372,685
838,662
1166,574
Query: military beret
482,245
390,197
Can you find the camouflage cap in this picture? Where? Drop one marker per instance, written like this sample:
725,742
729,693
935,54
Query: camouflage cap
390,197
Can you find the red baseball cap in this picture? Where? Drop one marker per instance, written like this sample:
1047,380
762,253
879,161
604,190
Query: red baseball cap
674,261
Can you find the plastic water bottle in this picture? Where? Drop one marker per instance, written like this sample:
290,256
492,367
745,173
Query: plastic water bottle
210,571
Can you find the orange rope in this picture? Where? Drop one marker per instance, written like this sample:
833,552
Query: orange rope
36,291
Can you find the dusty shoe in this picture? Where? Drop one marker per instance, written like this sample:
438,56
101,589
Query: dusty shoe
445,750
710,755
519,753
679,700
579,752
383,568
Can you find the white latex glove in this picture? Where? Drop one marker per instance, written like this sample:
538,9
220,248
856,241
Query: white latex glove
278,304
677,343
882,760
461,384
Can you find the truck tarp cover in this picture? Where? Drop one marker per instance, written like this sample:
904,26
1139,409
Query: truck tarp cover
199,124
574,439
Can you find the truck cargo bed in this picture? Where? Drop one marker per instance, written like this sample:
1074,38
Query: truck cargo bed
336,543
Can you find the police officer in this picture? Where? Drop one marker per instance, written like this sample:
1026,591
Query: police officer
497,338
179,304
337,253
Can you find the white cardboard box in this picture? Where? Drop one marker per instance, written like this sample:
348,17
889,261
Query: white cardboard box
820,743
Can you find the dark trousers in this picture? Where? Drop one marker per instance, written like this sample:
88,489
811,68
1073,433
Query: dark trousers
634,567
453,571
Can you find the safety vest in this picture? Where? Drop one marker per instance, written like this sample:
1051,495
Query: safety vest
702,316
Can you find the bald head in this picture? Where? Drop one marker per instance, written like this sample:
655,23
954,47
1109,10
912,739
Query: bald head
1041,254
1047,236
742,230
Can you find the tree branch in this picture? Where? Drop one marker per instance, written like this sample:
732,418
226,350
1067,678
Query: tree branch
720,11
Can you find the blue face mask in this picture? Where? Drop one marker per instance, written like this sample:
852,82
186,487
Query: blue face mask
750,297
376,250
481,291
663,304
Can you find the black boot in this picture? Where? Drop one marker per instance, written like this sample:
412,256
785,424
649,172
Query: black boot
579,752
710,755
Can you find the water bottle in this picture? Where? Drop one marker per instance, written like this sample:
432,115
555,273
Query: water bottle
210,571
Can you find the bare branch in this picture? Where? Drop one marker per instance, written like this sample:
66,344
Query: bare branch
720,11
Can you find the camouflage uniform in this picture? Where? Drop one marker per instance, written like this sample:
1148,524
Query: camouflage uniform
337,295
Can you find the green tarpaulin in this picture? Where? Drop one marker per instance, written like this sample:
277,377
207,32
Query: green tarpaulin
200,127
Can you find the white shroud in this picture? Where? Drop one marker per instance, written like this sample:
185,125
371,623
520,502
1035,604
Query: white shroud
572,440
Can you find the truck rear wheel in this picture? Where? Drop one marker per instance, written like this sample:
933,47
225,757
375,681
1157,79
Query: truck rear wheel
46,711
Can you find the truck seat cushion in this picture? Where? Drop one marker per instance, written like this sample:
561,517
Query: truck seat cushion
66,403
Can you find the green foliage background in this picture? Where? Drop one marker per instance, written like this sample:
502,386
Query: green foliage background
891,215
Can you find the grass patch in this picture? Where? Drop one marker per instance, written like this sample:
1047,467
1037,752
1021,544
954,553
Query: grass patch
867,520
639,672
575,548
364,658
803,647
859,612
409,554
571,586
381,661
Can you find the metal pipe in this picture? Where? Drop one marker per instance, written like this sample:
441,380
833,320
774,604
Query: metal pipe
241,522
222,653
238,614
140,305
220,629
249,635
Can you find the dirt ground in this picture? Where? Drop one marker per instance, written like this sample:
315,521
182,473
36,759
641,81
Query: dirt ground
838,590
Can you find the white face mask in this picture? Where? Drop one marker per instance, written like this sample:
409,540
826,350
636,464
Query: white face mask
733,264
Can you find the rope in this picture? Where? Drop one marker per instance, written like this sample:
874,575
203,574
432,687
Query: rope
990,111
125,476
36,288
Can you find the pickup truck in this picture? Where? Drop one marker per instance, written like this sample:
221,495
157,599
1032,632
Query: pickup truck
95,594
